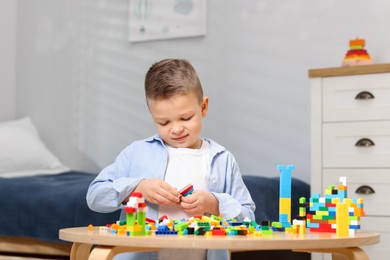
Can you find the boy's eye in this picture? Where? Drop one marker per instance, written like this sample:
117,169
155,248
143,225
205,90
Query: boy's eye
162,123
187,118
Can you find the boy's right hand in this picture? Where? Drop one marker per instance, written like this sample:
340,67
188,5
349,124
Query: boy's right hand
158,191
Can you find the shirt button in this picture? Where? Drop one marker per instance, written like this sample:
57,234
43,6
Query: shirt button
214,180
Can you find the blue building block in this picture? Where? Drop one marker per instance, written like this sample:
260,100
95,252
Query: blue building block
285,180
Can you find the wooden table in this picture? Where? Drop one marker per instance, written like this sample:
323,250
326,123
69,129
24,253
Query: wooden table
106,246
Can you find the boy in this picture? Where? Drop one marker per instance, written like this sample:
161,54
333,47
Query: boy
161,165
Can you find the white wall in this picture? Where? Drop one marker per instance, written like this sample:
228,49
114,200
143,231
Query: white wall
82,81
7,58
47,58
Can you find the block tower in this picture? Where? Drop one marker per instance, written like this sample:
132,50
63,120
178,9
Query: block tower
285,194
357,54
335,212
136,209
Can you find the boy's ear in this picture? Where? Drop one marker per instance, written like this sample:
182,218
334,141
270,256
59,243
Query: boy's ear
205,106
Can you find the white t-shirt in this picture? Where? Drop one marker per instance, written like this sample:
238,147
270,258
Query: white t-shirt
186,166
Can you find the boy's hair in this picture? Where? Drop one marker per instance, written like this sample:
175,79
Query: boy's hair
170,77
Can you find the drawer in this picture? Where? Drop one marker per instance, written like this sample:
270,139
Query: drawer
348,144
341,101
381,225
375,204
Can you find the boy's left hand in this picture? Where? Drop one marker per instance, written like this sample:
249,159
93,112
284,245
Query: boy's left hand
200,202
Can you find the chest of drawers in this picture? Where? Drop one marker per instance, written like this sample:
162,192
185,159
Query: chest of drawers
350,136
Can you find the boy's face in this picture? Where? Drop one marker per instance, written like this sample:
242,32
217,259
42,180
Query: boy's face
179,119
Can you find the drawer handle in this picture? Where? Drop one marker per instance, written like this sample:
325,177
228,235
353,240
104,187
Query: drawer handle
364,95
365,190
364,142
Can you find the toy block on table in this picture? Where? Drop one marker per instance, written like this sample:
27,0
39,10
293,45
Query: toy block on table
299,226
218,232
265,228
180,226
285,194
164,230
162,218
302,208
335,212
342,219
136,209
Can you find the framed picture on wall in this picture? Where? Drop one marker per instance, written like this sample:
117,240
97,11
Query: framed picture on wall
166,19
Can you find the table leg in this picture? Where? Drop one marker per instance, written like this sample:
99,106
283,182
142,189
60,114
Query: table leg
80,251
349,253
108,252
353,253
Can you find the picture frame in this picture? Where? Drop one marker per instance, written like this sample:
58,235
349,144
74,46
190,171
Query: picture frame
151,20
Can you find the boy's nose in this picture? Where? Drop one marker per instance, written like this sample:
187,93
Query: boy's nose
177,128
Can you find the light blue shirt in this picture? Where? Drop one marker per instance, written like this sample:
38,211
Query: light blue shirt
148,158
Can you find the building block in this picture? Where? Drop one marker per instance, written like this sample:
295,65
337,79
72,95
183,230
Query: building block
187,190
342,219
335,212
285,190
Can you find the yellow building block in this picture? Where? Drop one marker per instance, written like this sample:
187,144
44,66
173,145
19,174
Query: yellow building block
322,213
342,220
285,207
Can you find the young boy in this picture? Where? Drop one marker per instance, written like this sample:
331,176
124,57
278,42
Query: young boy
161,165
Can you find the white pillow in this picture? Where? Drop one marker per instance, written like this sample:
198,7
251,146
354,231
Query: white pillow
22,152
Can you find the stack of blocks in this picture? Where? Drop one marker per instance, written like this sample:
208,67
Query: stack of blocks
136,209
357,54
299,225
285,195
335,212
332,213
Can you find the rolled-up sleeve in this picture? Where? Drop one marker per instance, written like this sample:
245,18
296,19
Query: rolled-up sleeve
229,188
116,181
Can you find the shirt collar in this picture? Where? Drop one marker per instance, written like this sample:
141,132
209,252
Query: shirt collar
215,148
